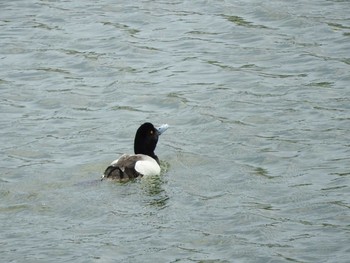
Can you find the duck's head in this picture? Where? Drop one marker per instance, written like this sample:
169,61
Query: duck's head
146,139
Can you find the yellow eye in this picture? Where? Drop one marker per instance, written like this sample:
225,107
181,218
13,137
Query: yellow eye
151,132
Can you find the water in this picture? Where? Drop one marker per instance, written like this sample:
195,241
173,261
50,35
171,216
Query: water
255,163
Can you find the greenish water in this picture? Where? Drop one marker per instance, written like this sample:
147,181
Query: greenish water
256,159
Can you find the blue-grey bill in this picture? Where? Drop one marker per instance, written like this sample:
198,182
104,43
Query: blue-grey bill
162,128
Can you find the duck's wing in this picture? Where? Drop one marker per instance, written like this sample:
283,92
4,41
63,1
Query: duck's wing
123,169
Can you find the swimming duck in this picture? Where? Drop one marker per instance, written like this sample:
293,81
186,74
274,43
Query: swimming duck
144,162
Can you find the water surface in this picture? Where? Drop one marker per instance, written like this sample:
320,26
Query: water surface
255,163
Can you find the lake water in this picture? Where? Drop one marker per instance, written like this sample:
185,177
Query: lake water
256,162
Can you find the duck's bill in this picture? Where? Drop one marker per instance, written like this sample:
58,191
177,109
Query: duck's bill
162,128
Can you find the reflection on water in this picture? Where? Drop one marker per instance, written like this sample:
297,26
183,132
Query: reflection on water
153,188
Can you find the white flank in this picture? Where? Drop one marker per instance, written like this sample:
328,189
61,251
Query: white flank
147,166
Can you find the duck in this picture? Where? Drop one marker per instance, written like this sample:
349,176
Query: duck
144,162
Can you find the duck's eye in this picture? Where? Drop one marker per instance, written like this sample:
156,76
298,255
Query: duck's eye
151,132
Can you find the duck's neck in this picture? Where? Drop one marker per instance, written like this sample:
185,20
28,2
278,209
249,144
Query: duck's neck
146,152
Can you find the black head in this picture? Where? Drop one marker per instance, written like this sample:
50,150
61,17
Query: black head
146,139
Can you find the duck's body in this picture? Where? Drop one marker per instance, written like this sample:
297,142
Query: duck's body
144,162
132,166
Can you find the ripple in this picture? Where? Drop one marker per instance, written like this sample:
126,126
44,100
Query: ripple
240,21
